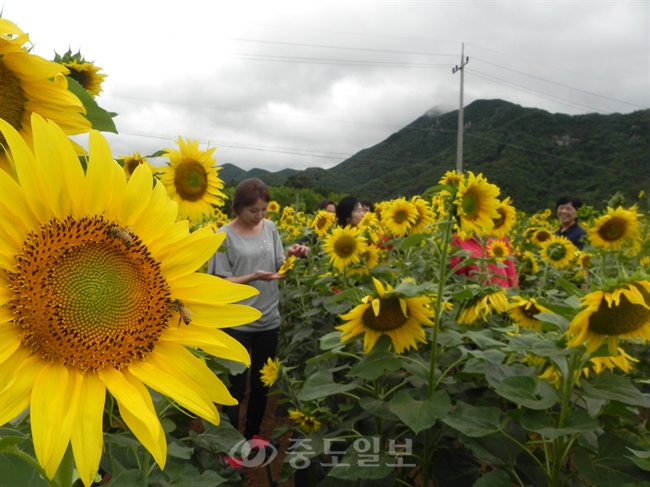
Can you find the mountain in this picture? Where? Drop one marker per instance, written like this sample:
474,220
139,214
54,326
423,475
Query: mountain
534,156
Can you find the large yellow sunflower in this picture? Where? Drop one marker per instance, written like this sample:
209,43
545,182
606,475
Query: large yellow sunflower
541,235
192,179
476,204
623,311
399,217
507,218
30,84
388,313
344,246
616,229
498,250
558,251
524,310
322,222
95,272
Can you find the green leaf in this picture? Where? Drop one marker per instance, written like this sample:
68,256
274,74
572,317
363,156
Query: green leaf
378,408
411,241
217,439
483,338
321,384
99,118
330,341
8,443
497,372
528,391
495,478
15,472
475,421
177,450
369,464
560,321
609,467
374,364
613,387
420,415
539,421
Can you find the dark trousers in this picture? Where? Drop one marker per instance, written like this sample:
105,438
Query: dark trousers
261,345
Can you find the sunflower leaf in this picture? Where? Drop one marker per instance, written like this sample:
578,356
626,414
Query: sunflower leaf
612,387
375,364
99,118
529,392
495,478
321,384
474,421
420,415
540,422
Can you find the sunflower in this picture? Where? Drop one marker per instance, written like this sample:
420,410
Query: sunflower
95,275
287,265
322,222
192,180
540,236
133,161
273,207
528,264
558,251
498,250
389,314
490,300
271,372
524,310
622,361
451,178
476,203
370,257
616,229
344,246
85,73
400,217
623,311
425,217
31,84
507,218
584,259
307,422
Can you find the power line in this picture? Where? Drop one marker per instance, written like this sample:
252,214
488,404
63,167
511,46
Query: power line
339,47
560,69
343,62
546,96
250,111
560,84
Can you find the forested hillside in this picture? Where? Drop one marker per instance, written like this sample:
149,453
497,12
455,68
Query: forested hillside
531,154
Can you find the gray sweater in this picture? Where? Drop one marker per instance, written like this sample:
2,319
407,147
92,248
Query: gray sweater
246,255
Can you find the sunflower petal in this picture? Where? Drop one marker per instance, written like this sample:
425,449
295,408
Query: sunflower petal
204,243
177,386
216,342
199,287
10,338
87,434
17,379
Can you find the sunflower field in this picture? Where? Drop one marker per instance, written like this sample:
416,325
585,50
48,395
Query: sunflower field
404,360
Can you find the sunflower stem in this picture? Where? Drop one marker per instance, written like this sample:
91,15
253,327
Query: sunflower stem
444,251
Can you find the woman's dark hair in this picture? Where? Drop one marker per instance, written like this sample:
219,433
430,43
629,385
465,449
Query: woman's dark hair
247,193
322,204
367,203
575,202
344,209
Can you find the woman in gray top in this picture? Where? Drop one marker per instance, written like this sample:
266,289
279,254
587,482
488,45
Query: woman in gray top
253,256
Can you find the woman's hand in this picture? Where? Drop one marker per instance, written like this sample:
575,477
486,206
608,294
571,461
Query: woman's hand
298,250
267,276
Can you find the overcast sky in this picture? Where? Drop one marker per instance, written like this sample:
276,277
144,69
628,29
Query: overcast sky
307,84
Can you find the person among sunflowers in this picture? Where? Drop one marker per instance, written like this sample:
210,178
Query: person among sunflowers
254,255
504,273
567,213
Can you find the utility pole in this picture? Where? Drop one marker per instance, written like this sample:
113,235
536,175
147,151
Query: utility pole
459,150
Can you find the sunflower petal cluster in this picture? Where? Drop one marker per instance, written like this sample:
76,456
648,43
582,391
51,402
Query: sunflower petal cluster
271,372
96,273
506,220
322,222
307,422
616,229
388,313
491,300
31,84
344,246
84,72
623,311
558,251
192,179
399,217
524,310
476,204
